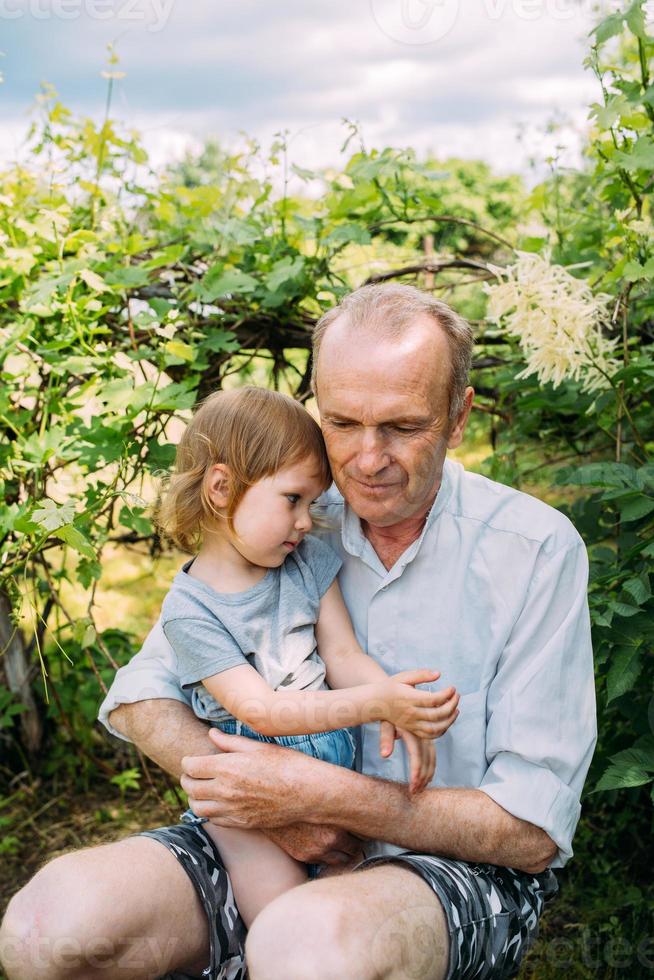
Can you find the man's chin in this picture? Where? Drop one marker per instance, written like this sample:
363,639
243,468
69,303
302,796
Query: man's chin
381,510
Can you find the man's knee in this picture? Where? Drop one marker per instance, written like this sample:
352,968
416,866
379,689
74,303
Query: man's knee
51,926
304,933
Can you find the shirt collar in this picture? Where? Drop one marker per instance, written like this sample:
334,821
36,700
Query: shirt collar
356,543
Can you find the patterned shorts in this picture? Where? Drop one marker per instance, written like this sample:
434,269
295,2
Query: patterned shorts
492,913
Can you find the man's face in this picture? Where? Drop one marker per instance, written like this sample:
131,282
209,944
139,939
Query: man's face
384,412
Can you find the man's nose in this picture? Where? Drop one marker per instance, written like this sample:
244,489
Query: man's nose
372,456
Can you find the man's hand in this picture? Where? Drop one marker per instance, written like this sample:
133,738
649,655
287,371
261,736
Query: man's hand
253,784
318,844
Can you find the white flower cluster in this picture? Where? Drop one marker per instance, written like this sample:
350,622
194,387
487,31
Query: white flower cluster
558,320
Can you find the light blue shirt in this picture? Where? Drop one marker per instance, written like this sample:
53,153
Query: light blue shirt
492,594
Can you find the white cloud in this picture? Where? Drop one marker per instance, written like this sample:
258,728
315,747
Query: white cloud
219,68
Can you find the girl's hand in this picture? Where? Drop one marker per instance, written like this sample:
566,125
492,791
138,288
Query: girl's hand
427,714
387,736
422,760
421,751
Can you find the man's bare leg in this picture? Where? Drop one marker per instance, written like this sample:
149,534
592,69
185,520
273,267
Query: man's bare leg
126,910
384,923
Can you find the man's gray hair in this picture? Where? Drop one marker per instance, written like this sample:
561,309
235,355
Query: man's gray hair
391,308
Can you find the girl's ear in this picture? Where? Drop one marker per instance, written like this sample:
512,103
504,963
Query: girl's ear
217,485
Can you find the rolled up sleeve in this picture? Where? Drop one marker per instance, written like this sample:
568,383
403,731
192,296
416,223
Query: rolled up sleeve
150,674
541,704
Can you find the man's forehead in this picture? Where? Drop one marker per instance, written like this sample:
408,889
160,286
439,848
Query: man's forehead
372,397
420,337
366,362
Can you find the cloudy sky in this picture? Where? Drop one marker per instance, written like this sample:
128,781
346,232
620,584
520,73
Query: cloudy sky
476,78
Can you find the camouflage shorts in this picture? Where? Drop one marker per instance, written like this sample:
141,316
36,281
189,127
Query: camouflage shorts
492,913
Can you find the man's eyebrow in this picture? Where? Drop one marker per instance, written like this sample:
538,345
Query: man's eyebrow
402,419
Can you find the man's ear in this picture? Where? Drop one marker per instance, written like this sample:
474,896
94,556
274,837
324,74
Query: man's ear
217,485
459,427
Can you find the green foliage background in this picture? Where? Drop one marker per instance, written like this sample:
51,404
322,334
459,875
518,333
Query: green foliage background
126,295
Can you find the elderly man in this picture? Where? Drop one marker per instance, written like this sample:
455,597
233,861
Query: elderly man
442,569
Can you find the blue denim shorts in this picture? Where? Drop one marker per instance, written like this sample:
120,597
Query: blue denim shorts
337,746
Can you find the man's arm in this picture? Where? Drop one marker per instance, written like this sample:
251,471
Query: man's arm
149,676
464,824
164,731
255,785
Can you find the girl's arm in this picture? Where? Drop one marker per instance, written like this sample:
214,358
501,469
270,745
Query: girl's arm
347,664
365,693
247,696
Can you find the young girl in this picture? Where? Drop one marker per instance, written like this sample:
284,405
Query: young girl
257,621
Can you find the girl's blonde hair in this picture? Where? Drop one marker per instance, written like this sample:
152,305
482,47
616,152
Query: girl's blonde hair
255,432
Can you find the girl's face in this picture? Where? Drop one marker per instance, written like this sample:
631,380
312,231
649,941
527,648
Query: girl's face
273,516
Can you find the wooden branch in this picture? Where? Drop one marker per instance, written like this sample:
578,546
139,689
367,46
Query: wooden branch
444,219
433,266
15,662
489,410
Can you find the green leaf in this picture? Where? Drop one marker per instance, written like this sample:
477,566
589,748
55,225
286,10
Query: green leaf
624,609
39,448
601,475
165,256
623,673
128,779
219,282
641,754
94,281
640,156
161,456
284,270
633,271
173,397
84,633
631,767
635,19
180,350
603,618
220,341
622,777
302,173
135,521
639,589
127,277
88,571
117,395
348,232
607,115
99,444
608,27
636,507
74,537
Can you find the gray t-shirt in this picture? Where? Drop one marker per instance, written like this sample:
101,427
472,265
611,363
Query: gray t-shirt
270,626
